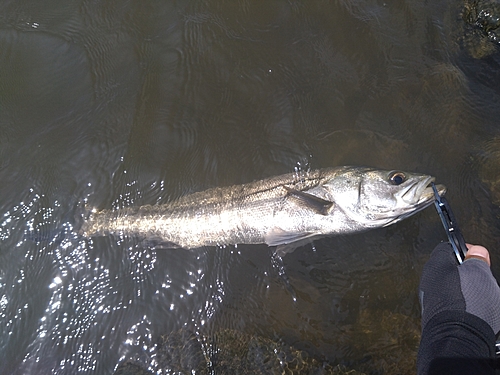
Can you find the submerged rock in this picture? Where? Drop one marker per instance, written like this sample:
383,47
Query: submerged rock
484,17
182,352
231,352
489,168
129,368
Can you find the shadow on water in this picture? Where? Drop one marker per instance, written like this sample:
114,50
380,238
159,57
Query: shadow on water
115,104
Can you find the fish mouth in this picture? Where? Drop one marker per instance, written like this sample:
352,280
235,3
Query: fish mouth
421,193
418,196
427,194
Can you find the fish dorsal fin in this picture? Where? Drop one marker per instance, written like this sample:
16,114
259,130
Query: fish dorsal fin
317,204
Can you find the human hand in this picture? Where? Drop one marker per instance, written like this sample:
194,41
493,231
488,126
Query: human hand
468,287
478,252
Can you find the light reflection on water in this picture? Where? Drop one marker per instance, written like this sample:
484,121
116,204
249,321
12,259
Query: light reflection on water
109,105
99,307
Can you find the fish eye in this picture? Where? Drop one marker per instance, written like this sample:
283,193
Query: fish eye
397,178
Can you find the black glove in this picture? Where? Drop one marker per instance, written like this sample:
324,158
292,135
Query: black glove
469,287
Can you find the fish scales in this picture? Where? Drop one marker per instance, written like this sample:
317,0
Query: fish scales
222,215
279,210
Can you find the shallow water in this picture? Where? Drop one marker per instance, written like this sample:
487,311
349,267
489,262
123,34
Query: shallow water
111,104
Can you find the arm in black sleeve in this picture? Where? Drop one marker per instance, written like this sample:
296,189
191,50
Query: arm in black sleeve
456,342
460,316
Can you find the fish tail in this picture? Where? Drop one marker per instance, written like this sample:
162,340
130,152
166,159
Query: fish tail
68,225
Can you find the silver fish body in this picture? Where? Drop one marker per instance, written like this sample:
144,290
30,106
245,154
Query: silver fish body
279,211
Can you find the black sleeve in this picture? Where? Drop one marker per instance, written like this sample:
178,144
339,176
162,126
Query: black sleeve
456,342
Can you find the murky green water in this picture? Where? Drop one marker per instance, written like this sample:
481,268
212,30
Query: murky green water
118,103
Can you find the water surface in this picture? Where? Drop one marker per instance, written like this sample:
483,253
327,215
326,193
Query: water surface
111,104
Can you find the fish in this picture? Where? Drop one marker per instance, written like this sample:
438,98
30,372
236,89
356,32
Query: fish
284,211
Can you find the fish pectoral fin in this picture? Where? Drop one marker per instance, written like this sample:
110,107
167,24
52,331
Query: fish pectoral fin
278,236
282,250
287,242
317,204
